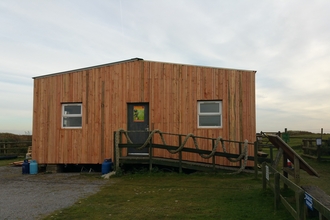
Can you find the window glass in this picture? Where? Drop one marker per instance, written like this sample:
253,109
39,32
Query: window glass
72,122
209,114
209,107
210,120
72,109
72,115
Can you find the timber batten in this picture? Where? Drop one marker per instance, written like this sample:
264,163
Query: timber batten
172,91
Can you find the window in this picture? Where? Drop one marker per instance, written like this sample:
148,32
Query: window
72,115
209,114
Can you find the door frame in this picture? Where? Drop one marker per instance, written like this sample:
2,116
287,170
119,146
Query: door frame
138,126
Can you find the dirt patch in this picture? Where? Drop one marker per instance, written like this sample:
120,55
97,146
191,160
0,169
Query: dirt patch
34,196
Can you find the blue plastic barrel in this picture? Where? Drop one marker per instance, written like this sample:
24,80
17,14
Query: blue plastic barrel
33,167
107,166
25,167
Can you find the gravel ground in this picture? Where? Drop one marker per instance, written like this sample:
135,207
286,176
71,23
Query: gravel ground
33,196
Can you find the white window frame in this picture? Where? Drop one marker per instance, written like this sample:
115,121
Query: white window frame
71,115
199,113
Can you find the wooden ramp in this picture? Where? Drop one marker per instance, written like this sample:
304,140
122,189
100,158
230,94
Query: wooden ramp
178,164
291,155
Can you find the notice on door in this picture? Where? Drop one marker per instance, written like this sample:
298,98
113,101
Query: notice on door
138,113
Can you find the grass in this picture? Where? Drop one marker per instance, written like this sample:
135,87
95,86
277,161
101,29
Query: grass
7,162
177,196
160,195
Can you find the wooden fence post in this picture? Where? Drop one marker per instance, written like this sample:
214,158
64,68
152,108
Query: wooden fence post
296,170
180,155
285,173
264,180
271,153
300,204
115,152
276,190
120,141
150,154
318,153
240,152
256,159
213,157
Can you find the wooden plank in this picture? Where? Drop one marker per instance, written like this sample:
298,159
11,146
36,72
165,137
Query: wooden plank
161,84
185,149
318,194
321,201
102,149
309,156
262,154
290,153
176,163
310,148
51,118
289,171
86,116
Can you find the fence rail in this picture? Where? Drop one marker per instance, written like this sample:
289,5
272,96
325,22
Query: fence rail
319,152
18,148
274,183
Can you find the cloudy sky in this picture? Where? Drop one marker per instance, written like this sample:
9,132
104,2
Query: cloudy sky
286,42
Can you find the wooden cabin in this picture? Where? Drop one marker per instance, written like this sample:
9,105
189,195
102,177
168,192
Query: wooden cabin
76,112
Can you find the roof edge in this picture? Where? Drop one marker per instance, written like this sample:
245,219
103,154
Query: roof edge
133,60
202,66
90,67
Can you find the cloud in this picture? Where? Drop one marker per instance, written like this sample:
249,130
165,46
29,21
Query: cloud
16,106
286,42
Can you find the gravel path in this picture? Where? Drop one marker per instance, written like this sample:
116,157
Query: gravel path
33,196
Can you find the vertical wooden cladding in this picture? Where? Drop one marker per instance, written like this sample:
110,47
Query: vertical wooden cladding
176,89
174,100
172,91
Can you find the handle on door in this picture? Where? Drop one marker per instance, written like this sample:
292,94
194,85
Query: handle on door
147,128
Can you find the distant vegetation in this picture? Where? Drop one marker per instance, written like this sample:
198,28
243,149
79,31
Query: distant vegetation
13,144
8,137
291,132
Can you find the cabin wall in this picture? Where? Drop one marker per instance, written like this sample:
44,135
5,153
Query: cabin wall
172,91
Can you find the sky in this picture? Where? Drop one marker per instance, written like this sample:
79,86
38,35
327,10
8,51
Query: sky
286,42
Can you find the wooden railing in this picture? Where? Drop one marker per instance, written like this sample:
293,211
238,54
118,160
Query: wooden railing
273,179
179,140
